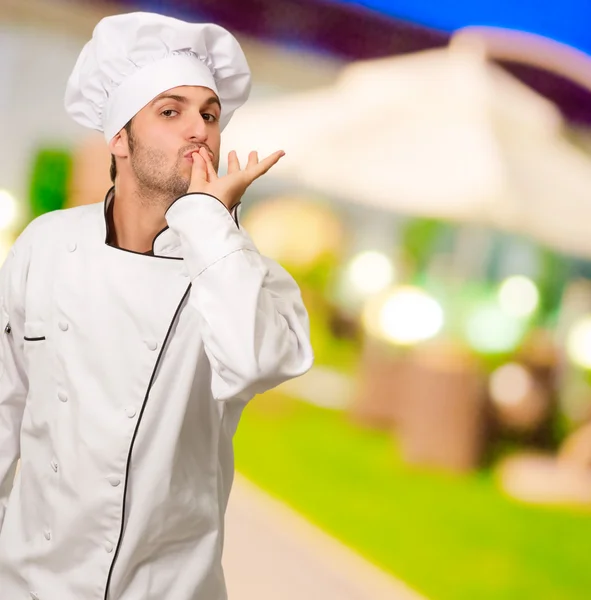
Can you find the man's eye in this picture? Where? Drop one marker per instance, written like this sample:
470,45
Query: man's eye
168,113
209,118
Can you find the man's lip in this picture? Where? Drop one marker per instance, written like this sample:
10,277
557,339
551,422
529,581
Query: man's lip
191,152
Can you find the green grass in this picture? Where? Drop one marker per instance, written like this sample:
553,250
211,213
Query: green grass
449,537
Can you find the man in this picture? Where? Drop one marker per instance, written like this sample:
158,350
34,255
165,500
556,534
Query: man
134,334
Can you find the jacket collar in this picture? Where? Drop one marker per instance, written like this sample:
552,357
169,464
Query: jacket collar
166,244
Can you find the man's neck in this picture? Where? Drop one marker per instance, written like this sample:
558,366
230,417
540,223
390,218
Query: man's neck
135,219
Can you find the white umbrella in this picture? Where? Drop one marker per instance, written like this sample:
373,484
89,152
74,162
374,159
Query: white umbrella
441,133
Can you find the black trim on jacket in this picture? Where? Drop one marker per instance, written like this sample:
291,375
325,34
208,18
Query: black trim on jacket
107,212
137,426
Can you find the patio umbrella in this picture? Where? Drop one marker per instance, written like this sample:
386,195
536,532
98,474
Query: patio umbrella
443,133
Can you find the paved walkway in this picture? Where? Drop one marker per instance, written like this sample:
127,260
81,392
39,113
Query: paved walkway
273,553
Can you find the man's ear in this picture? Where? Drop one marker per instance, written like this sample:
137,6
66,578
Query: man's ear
119,145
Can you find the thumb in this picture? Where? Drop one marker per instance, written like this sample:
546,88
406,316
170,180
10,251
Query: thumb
198,173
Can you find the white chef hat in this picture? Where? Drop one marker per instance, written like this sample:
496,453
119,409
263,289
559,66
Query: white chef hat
132,58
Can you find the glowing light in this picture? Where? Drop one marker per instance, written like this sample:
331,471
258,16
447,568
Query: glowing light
404,316
8,209
519,296
510,384
491,330
294,231
578,343
370,272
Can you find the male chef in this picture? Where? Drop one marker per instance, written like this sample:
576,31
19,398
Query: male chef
135,331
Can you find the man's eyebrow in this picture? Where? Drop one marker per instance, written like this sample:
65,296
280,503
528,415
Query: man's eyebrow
213,100
182,99
185,100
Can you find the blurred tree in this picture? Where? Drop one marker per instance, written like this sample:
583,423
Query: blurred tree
419,239
49,180
556,270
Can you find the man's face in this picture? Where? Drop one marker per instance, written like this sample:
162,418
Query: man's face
166,131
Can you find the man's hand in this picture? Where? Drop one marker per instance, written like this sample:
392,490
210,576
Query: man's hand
229,188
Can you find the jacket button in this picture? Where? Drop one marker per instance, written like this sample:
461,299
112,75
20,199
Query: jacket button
109,547
47,534
72,246
63,326
62,396
130,412
34,596
152,344
54,465
114,481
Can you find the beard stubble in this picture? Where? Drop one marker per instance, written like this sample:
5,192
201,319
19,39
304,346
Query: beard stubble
158,183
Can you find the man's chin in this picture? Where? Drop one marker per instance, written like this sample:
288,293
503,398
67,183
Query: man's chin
182,188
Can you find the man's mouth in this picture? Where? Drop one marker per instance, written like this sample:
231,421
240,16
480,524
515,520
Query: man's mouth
188,155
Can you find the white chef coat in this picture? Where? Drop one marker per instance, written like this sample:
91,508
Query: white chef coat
122,380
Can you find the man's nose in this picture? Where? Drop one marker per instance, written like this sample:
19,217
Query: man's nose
198,129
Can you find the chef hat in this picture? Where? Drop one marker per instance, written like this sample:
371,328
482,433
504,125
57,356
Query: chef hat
132,58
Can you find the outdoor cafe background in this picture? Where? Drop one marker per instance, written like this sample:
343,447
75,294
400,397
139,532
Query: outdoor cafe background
434,208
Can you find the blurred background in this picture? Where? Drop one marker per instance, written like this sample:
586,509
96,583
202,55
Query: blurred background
435,208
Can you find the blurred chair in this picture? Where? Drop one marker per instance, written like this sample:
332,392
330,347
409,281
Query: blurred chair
443,420
382,385
524,394
547,479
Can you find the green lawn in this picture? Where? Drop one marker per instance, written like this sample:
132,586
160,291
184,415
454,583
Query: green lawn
450,537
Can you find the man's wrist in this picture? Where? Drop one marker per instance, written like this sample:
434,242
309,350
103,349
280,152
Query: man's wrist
192,193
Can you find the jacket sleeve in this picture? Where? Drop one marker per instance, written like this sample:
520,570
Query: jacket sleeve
250,312
13,379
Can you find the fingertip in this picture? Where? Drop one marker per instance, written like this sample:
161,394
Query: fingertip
198,160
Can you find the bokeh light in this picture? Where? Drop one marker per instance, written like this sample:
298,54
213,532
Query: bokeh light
294,230
404,316
489,329
370,272
579,342
510,384
519,296
8,209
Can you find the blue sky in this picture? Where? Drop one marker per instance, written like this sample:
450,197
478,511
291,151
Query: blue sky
567,21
